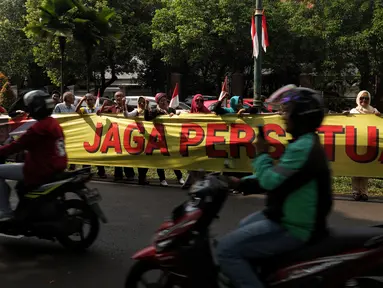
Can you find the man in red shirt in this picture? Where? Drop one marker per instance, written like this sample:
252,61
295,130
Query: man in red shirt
45,144
119,106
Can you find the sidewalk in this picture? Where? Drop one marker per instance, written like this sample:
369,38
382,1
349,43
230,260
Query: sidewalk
174,184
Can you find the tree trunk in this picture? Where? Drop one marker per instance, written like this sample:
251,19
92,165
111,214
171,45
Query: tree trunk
88,72
62,42
105,84
378,99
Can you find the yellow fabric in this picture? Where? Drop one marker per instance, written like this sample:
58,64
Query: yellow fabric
214,143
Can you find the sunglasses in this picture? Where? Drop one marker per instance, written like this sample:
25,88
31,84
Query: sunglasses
199,100
364,98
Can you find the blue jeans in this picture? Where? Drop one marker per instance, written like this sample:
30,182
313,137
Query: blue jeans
256,238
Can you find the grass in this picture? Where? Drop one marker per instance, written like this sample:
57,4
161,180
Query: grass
341,185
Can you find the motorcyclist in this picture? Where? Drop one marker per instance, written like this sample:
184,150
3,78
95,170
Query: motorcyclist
44,143
298,189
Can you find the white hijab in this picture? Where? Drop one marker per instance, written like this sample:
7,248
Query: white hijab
364,110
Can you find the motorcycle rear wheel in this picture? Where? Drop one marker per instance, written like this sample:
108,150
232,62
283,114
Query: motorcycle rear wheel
86,214
135,276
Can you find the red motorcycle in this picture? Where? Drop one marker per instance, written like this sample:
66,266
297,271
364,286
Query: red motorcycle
182,251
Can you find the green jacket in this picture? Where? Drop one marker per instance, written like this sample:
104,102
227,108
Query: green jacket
298,188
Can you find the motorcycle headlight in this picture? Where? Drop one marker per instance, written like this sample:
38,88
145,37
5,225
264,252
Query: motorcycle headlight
162,245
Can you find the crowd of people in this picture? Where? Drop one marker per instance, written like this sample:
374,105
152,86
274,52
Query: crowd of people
66,104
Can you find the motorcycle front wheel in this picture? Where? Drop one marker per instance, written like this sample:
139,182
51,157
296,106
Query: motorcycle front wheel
79,213
137,279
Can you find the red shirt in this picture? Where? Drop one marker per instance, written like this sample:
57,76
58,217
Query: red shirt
46,154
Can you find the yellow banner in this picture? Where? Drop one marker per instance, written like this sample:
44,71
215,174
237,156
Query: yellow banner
195,141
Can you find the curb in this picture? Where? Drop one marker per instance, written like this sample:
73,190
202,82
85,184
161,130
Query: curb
174,184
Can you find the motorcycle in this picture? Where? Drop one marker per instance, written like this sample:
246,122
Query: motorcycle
46,212
182,251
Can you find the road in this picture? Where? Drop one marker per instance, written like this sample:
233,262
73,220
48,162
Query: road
134,213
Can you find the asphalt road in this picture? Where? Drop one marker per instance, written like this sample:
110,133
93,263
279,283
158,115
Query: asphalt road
134,213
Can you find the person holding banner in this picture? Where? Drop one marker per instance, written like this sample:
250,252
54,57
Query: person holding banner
149,115
360,184
197,106
90,105
139,111
118,107
89,109
236,106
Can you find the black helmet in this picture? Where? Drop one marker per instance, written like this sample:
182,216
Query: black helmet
39,104
305,106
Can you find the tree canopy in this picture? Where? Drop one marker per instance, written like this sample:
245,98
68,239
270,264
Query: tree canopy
203,40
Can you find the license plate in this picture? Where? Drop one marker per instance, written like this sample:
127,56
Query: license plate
93,196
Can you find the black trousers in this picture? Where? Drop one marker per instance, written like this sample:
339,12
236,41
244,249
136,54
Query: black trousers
100,169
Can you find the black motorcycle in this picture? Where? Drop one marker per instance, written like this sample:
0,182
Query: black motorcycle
50,211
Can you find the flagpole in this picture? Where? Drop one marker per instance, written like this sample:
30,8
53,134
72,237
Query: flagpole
258,61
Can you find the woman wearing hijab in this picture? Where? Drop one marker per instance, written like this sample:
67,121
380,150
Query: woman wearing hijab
236,106
360,184
139,111
162,109
197,106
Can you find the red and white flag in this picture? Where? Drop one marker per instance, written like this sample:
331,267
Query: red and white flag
175,101
98,99
265,36
223,90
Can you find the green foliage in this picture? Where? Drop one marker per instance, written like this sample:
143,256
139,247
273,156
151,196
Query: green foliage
15,49
91,30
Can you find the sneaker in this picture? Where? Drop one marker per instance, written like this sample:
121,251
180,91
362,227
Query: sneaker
181,181
164,183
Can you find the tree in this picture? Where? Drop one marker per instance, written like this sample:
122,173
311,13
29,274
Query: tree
15,49
94,28
54,23
109,55
212,38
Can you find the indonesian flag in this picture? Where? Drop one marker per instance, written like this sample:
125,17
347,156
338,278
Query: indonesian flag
265,36
223,90
98,99
175,102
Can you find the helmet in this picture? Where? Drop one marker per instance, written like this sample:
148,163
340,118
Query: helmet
305,106
39,104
